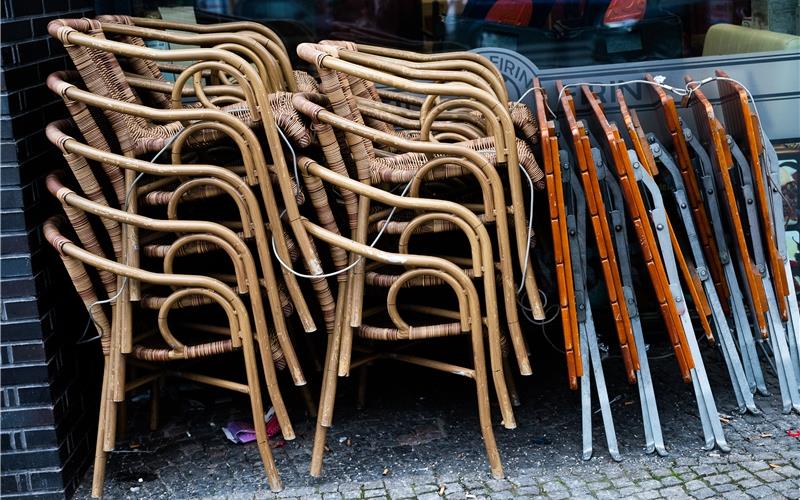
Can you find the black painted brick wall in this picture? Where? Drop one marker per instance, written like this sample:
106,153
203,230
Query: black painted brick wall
47,403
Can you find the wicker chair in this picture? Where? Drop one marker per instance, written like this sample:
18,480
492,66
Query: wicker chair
466,67
374,168
79,156
137,133
162,192
116,325
418,269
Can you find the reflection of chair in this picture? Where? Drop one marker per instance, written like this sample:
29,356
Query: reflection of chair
724,39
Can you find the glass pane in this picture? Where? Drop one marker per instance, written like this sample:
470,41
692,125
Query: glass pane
551,33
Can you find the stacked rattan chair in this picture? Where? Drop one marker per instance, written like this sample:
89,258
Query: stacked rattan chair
226,104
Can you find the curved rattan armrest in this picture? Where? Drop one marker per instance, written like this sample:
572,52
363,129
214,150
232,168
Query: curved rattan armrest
66,247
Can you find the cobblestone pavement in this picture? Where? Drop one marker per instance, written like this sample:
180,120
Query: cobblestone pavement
418,438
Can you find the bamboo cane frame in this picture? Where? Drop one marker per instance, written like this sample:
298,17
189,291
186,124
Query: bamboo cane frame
248,285
320,114
465,285
479,239
70,36
69,249
321,56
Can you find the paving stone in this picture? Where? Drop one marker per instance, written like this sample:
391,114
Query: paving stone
768,476
651,484
380,493
661,472
788,471
735,495
552,487
647,495
672,491
761,492
332,496
327,487
601,495
705,470
598,485
627,491
739,475
722,488
621,482
372,485
429,496
499,484
525,480
749,483
527,491
694,485
401,492
670,481
349,487
717,479
703,493
755,465
428,487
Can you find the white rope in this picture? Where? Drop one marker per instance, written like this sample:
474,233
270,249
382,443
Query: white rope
353,264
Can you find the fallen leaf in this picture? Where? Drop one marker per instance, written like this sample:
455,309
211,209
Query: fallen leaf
386,471
348,442
766,435
774,466
441,490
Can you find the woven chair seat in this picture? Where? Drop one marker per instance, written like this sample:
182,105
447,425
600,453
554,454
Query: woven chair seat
382,280
401,168
189,352
413,333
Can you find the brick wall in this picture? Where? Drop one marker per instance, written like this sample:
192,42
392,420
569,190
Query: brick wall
48,404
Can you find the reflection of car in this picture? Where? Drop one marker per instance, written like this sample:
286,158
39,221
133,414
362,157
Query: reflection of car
570,33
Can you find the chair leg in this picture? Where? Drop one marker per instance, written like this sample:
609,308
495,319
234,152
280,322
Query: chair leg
110,412
484,411
329,380
499,379
273,390
257,406
155,397
308,399
346,342
361,397
510,382
99,472
122,421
